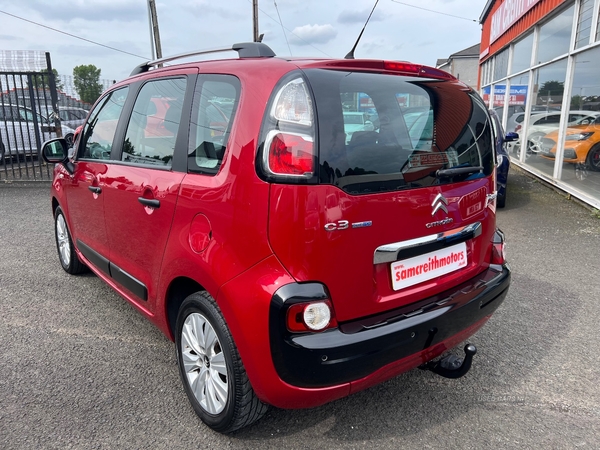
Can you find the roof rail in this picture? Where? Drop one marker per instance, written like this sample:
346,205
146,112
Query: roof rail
244,49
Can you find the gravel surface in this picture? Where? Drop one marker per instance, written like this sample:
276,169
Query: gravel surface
80,368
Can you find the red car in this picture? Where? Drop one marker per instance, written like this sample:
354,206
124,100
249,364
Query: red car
290,267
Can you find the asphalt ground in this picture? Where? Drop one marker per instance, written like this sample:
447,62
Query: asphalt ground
80,368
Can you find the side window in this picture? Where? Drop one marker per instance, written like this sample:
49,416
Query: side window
215,101
99,131
154,123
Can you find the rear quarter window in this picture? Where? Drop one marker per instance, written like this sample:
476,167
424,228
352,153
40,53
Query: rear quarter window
214,106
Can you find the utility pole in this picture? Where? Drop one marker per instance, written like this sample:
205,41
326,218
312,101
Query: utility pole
255,20
152,53
155,32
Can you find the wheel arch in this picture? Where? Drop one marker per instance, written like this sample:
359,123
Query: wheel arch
55,205
179,289
589,156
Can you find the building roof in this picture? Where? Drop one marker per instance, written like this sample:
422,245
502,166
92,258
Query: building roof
467,52
486,10
441,62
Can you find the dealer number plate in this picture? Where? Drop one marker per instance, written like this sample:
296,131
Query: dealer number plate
418,269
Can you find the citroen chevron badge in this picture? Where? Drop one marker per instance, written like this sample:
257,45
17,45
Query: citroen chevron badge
439,202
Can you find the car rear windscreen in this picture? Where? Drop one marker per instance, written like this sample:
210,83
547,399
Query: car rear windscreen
410,131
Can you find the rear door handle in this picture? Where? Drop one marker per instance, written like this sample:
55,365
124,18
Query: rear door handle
152,203
95,189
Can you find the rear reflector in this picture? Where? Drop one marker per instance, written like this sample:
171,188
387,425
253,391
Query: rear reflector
498,248
290,154
498,253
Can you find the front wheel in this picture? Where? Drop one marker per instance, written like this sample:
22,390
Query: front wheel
64,244
211,369
593,158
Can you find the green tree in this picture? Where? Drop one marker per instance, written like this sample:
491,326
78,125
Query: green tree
550,88
86,81
41,81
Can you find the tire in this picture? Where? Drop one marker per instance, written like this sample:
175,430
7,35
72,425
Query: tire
64,245
527,154
69,139
215,368
501,200
593,158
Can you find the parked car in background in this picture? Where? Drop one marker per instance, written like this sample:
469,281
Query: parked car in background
502,157
290,266
582,145
413,113
19,135
356,121
516,116
544,123
70,116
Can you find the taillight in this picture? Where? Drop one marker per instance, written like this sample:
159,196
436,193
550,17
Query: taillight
289,150
290,154
293,104
498,248
312,316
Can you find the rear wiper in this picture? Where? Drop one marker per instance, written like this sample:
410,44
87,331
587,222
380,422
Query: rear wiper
457,171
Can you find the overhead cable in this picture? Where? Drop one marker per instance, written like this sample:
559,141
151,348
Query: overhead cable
74,36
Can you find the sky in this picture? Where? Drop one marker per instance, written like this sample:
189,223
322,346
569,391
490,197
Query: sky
319,28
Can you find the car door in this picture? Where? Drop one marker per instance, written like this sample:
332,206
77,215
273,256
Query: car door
142,187
85,192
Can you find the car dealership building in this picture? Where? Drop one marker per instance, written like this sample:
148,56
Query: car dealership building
540,69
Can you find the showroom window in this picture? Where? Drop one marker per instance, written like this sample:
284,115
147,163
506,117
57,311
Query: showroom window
582,146
501,65
584,23
522,54
487,71
555,36
548,93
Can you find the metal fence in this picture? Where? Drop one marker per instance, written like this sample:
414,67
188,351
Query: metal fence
27,103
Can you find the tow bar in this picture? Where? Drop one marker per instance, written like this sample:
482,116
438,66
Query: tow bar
452,366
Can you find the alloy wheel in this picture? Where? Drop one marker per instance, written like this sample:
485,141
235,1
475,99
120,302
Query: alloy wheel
62,236
204,363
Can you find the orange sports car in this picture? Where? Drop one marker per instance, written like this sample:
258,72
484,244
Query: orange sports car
582,144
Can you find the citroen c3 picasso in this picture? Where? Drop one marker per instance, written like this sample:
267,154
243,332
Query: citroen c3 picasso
290,265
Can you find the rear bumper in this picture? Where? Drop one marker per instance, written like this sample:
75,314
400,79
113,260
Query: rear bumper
364,352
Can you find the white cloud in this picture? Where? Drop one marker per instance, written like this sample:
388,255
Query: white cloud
360,16
312,34
395,31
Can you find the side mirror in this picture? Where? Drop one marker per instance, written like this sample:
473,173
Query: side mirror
56,151
510,137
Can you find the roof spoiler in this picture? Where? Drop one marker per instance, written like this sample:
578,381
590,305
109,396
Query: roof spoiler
244,49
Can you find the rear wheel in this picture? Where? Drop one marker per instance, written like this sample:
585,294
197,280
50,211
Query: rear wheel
593,158
501,200
211,369
64,244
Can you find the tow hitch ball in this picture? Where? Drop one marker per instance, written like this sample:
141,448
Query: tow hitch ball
452,366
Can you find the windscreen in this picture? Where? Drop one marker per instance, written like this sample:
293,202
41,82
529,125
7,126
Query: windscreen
410,132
